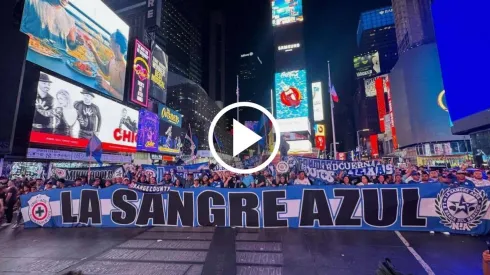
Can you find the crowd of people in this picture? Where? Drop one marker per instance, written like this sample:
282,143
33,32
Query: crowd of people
10,190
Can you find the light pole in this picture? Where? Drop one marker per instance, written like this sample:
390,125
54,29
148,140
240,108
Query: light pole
331,149
359,141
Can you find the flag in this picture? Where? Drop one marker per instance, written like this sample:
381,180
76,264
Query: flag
333,93
94,149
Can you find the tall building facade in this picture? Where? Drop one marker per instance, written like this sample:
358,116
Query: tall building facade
216,74
175,25
414,23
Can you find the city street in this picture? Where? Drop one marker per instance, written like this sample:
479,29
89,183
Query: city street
214,251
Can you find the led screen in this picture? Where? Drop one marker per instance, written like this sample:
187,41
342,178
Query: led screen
141,74
171,134
367,65
370,88
67,115
316,90
159,74
286,12
148,131
79,39
291,94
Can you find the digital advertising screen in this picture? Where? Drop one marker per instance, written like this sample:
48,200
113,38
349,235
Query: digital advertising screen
291,94
370,88
466,93
68,116
317,94
286,12
367,65
172,135
159,74
141,74
148,131
82,40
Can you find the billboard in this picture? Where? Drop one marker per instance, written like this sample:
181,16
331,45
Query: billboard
286,12
317,94
294,125
159,74
369,87
381,102
466,95
320,136
80,39
67,115
291,94
141,74
367,65
171,134
148,131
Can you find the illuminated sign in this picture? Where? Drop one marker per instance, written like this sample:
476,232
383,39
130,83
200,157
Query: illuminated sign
290,125
141,74
369,87
441,100
367,65
291,94
169,115
247,54
287,48
148,131
380,100
286,12
317,93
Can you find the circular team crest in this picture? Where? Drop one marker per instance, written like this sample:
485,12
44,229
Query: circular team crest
282,167
39,209
461,208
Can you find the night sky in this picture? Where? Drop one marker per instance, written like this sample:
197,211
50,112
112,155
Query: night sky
330,34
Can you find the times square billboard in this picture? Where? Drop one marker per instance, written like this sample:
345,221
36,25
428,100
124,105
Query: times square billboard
291,94
464,76
286,12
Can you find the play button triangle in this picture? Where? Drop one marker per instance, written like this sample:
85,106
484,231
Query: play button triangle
243,137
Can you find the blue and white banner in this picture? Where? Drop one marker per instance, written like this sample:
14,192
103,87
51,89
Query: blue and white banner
429,207
321,171
180,171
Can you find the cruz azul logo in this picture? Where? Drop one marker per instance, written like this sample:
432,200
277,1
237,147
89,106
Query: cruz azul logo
461,208
39,209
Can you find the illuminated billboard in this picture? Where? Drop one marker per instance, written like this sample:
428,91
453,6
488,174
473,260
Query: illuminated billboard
159,74
286,12
171,134
141,75
370,88
317,94
67,115
367,65
320,136
466,93
148,131
80,39
291,94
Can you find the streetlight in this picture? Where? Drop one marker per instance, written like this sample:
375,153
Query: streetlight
358,140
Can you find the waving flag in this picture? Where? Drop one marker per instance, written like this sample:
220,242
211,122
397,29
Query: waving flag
333,93
94,149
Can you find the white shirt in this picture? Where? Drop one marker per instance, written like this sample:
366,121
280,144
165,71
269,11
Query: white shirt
304,181
480,183
362,184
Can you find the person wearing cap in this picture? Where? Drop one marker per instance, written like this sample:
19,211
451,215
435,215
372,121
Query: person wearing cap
302,179
415,177
88,115
434,176
195,184
478,179
44,105
443,179
189,181
461,180
425,177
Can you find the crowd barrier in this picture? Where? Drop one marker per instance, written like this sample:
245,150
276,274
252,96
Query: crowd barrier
429,207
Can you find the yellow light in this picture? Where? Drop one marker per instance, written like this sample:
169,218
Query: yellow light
440,100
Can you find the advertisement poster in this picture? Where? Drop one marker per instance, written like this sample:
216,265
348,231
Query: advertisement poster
68,116
159,74
291,94
171,134
286,12
367,65
148,131
141,74
80,39
317,93
370,88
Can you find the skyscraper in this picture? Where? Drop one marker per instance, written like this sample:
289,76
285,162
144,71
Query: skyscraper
413,22
216,74
174,24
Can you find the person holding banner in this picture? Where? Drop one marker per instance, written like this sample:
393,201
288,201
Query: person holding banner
195,184
302,179
461,180
364,181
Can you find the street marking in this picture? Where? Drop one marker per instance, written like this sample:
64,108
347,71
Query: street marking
415,254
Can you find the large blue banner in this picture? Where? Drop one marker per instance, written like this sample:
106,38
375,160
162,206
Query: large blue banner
174,170
418,207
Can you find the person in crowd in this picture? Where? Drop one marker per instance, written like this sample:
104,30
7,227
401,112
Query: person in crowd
195,184
270,181
461,179
33,189
178,183
39,184
119,180
189,181
302,179
292,178
346,180
10,201
442,178
84,180
216,181
167,179
48,186
126,181
153,181
230,180
259,180
2,203
97,183
78,182
248,180
477,179
382,180
425,177
61,184
398,179
205,181
415,177
434,176
143,179
282,182
364,181
108,183
486,262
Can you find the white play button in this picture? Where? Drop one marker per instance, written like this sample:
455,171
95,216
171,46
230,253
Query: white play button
243,138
